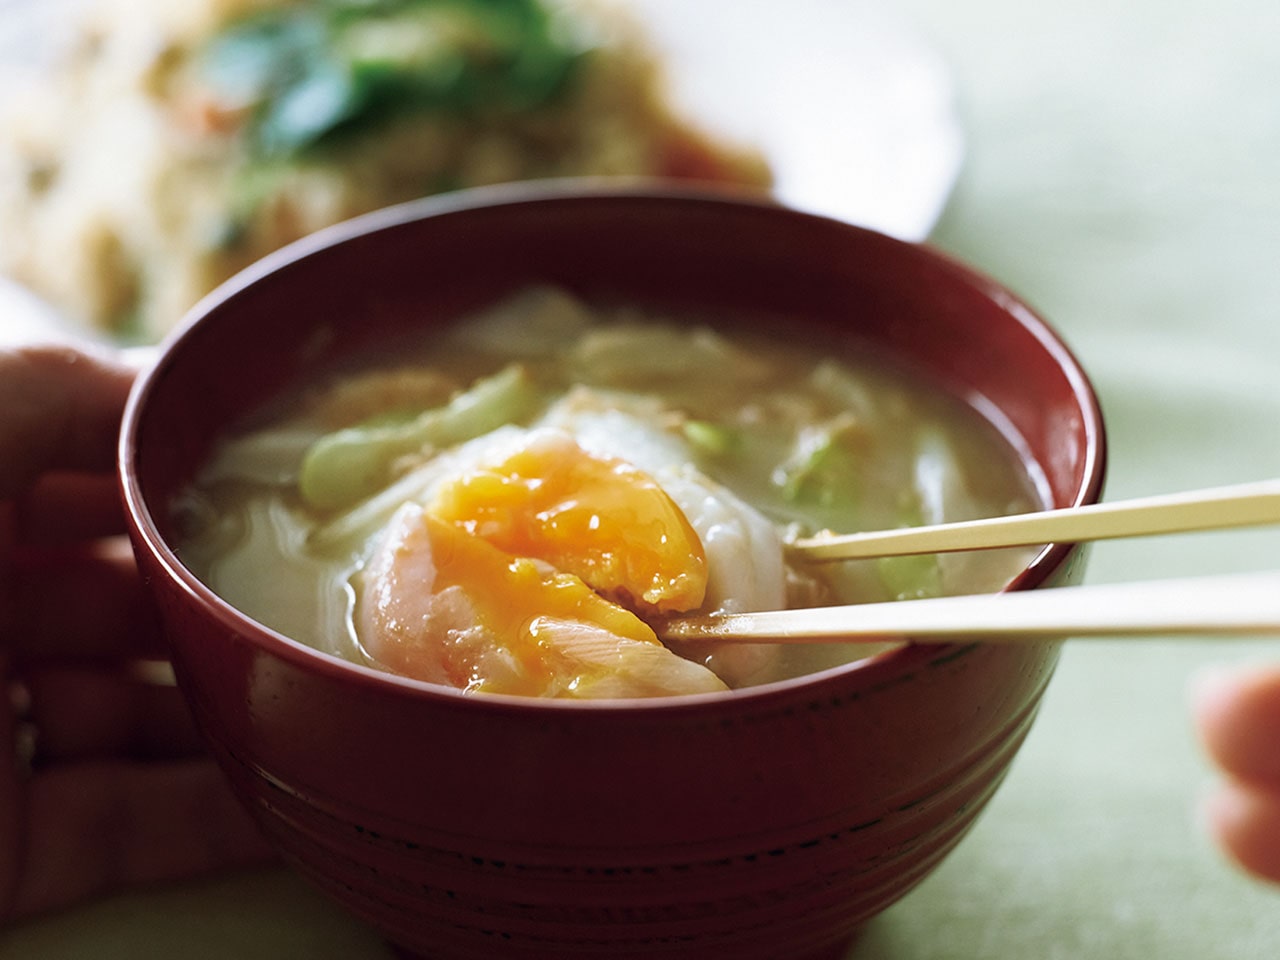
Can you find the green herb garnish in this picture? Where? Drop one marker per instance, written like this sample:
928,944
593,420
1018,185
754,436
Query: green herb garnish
309,74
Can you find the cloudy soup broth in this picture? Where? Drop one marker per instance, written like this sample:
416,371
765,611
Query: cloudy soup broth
513,504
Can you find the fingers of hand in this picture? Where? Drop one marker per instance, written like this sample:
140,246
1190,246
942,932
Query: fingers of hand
1246,823
66,508
62,411
1237,715
98,827
14,774
126,711
86,604
93,825
1238,718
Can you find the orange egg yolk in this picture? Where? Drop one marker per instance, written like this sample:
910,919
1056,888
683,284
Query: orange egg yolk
599,518
508,595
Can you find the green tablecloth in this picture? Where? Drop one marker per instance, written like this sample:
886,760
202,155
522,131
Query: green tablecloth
1121,174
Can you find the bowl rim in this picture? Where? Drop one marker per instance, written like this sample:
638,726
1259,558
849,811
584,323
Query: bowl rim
146,534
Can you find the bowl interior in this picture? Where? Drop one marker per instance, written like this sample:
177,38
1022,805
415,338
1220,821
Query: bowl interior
723,258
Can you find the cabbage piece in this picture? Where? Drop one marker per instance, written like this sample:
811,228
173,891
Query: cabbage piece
711,439
631,354
351,464
537,323
937,496
272,457
912,577
824,469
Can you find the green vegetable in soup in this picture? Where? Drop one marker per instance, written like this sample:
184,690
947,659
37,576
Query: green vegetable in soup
824,468
911,577
937,493
271,457
348,465
633,354
711,439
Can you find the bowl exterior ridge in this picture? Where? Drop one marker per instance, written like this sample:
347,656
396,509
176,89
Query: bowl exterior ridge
474,907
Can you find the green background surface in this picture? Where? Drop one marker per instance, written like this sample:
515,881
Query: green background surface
1121,174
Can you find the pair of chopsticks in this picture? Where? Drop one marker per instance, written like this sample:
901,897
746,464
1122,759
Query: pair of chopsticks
1238,604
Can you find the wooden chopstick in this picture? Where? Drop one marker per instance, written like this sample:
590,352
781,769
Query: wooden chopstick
1231,604
1241,505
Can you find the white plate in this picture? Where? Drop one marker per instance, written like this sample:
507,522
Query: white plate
854,111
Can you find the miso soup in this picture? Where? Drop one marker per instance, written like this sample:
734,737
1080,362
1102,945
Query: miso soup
510,505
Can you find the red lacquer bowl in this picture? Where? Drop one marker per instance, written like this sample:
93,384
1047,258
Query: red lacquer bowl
765,823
